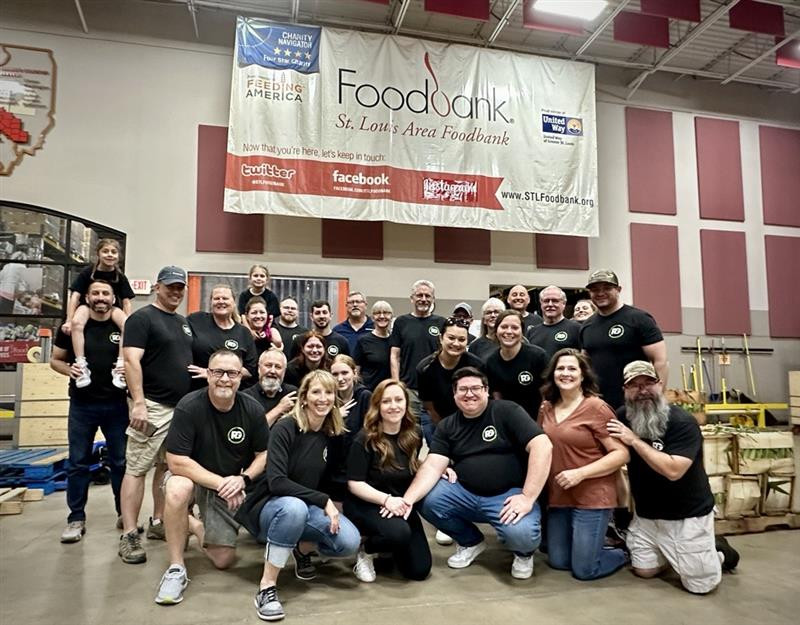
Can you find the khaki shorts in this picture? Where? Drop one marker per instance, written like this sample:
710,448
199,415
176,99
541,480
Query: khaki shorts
143,451
688,546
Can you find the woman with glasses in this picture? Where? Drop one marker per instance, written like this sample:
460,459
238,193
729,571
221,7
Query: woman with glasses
371,352
486,343
220,329
380,466
260,323
582,490
515,370
312,356
286,509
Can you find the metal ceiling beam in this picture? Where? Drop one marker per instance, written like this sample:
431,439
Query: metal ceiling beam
79,9
603,25
512,6
193,12
401,15
682,44
295,10
761,57
728,51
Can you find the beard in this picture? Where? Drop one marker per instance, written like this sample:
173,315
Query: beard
648,416
270,385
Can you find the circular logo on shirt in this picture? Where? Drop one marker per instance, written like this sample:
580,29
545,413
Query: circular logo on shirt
489,433
433,331
325,454
236,435
658,445
525,378
560,336
186,329
616,331
332,350
231,344
114,337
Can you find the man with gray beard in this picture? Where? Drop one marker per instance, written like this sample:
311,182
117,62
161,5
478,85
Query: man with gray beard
275,397
674,519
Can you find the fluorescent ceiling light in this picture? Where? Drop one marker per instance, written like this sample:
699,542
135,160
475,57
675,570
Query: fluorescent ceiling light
578,9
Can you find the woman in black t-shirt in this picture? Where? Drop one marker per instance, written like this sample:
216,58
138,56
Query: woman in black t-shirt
312,356
486,343
260,323
380,466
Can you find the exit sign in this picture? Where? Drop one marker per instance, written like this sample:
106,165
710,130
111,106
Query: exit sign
140,287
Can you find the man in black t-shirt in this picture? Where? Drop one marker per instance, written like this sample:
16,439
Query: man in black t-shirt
501,458
217,444
276,398
556,331
101,404
674,518
335,343
618,334
519,299
158,351
287,325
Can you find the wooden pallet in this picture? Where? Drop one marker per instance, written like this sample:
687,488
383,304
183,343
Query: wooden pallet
12,500
752,525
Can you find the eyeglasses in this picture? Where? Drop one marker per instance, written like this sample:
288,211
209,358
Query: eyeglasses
356,301
456,321
233,374
464,390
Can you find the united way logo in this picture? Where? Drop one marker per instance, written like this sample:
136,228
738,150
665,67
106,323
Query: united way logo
489,433
616,331
231,344
236,435
186,329
433,331
114,337
525,378
560,336
332,350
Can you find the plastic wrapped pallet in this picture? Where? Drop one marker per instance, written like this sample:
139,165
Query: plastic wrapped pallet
717,453
765,452
717,483
742,496
776,496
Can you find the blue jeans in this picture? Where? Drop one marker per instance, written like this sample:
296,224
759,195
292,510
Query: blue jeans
84,418
455,510
575,540
285,521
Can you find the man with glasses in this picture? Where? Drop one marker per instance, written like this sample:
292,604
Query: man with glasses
357,323
501,458
217,445
556,331
674,518
287,325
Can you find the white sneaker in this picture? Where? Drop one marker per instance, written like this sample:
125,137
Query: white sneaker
73,532
522,567
118,379
85,377
464,556
364,568
442,538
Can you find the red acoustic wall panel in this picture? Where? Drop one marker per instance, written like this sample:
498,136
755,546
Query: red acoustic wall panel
475,9
559,251
643,30
757,17
783,267
651,161
780,175
467,246
216,230
676,9
343,238
719,169
656,276
725,291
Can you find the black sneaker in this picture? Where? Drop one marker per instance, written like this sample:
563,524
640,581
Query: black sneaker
730,555
303,567
615,538
268,607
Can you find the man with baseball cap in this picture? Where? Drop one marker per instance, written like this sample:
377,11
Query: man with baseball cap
619,334
158,349
462,310
674,518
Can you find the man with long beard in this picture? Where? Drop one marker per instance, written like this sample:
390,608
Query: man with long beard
674,519
276,398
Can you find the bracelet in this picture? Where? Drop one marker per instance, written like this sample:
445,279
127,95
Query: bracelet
385,501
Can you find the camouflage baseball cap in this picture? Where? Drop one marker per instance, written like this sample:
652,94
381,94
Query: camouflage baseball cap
636,368
603,275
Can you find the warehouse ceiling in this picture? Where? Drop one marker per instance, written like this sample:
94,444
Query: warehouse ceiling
708,49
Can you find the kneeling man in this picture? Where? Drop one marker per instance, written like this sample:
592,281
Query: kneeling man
215,447
501,458
674,518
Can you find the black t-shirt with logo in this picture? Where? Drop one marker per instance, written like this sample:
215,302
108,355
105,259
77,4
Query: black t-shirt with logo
209,337
657,497
224,443
436,382
334,343
119,284
102,349
612,341
273,307
372,356
363,465
268,403
488,451
416,337
519,379
565,333
288,335
167,342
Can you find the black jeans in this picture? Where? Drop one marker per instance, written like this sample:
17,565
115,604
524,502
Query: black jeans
111,416
404,539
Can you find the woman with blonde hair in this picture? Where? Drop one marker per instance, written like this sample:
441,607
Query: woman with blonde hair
286,510
380,466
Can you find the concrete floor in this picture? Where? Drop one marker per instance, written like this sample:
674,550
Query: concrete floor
43,581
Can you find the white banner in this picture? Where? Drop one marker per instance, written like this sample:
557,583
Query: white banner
348,125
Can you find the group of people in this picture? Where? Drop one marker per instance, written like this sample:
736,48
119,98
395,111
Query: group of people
315,440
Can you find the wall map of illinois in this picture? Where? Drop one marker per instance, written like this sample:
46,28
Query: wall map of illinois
27,102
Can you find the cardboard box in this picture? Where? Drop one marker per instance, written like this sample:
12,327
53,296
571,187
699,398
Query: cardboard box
718,453
717,483
776,494
742,496
765,451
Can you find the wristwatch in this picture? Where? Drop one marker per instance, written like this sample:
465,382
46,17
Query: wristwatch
247,479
